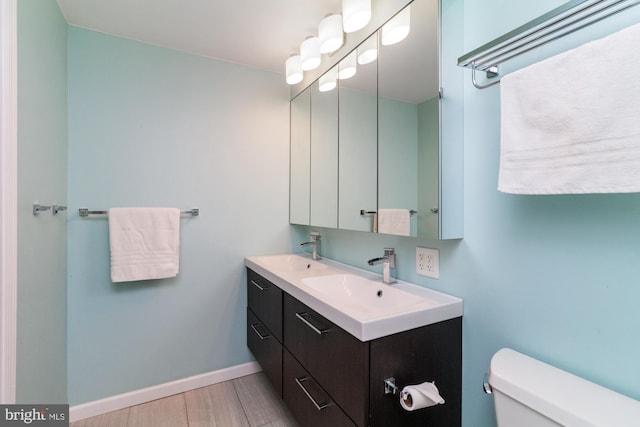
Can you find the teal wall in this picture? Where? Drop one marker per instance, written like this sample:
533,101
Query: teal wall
42,176
154,127
428,167
554,277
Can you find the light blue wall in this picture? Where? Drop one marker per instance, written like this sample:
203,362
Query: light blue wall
428,167
153,127
555,277
42,176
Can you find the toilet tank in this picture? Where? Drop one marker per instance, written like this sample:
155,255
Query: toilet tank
530,393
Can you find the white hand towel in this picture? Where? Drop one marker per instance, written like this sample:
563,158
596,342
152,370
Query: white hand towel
145,243
571,123
394,221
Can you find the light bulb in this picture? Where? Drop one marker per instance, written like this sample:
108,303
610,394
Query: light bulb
330,33
355,14
368,51
347,67
397,29
328,81
293,70
310,54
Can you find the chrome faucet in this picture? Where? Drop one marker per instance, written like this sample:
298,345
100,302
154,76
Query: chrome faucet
315,243
388,263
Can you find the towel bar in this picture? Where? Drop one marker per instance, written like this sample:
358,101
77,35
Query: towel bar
561,21
365,212
86,212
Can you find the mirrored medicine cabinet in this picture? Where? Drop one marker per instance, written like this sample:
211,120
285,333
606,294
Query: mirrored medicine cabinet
387,140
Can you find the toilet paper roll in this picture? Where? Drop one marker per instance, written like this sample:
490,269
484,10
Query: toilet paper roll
420,396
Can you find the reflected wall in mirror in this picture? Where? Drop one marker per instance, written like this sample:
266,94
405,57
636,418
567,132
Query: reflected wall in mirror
408,124
300,159
324,154
358,140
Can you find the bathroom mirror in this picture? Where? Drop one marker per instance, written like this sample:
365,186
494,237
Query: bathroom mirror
357,181
324,155
300,158
408,123
389,137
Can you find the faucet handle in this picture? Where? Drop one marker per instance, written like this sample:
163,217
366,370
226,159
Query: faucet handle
390,254
315,235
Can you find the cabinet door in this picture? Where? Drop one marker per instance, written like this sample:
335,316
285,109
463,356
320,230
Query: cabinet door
307,401
430,353
265,300
336,359
266,349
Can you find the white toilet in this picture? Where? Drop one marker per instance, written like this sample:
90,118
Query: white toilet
529,393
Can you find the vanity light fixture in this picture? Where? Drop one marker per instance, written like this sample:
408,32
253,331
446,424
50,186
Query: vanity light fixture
310,53
293,70
397,29
330,33
328,80
347,67
355,14
368,51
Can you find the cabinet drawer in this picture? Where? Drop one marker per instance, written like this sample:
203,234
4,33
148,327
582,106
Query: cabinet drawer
266,349
307,401
265,300
336,359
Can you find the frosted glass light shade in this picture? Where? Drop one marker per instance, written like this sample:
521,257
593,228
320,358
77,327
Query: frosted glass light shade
330,34
397,29
368,51
310,54
355,14
347,67
293,70
328,80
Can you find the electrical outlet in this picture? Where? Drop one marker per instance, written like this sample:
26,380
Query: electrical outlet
427,261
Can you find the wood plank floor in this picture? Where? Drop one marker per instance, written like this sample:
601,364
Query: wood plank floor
244,402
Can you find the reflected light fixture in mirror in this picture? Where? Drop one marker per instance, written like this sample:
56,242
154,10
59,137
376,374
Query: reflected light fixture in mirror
397,29
293,70
328,80
368,51
347,67
355,14
330,33
310,53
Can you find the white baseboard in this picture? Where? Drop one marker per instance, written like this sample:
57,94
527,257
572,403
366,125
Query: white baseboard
136,397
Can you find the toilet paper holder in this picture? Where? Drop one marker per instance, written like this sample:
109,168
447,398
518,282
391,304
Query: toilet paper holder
390,386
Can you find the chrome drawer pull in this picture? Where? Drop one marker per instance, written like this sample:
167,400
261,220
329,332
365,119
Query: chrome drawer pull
320,406
257,285
254,326
309,324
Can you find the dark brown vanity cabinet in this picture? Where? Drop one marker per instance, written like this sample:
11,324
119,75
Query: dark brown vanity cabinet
264,326
330,378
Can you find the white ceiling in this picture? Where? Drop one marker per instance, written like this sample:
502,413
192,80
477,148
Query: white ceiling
258,33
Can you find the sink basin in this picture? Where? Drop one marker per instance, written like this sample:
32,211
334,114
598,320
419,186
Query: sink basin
354,299
292,263
364,295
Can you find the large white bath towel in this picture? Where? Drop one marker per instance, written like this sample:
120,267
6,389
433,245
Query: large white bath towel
145,243
571,123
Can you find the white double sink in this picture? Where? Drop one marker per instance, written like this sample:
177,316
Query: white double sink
354,299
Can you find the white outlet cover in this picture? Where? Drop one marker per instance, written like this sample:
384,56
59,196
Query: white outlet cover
428,262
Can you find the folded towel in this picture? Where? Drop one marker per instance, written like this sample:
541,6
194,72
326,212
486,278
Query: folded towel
394,221
145,243
571,123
